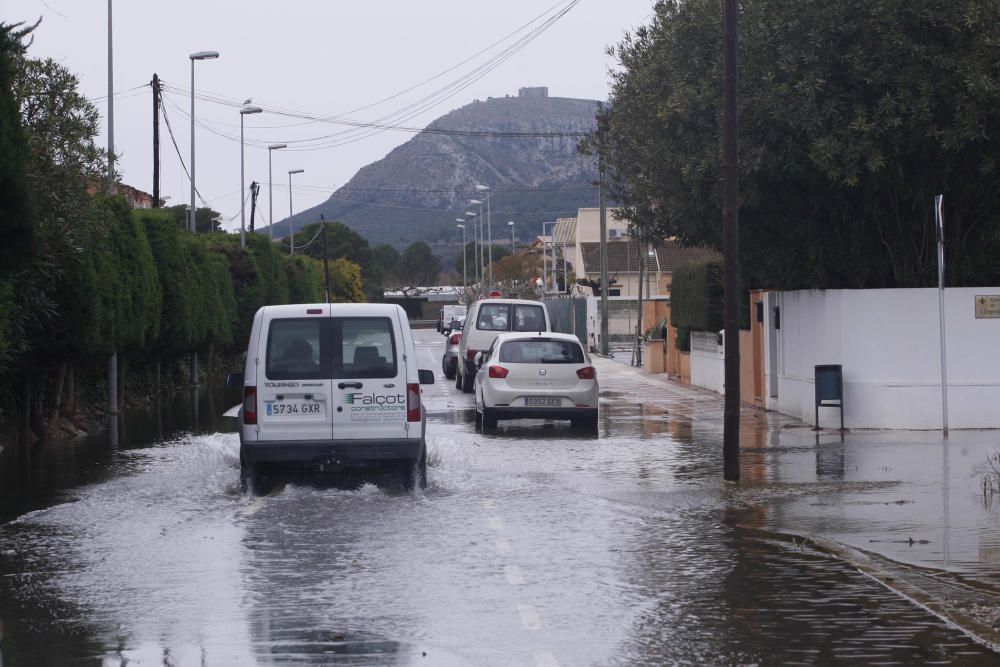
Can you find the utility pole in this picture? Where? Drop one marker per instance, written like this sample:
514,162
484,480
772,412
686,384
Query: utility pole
730,224
326,263
113,359
156,141
604,248
254,191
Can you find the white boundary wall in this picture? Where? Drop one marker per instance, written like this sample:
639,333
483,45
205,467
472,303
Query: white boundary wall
708,368
888,343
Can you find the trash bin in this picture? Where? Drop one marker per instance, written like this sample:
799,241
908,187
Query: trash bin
829,379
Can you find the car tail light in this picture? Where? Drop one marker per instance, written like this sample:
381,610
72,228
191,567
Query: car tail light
470,354
413,402
455,337
498,372
249,405
587,373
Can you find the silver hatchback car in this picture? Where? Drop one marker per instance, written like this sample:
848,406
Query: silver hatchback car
543,375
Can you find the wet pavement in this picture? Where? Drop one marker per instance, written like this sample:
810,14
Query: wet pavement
531,546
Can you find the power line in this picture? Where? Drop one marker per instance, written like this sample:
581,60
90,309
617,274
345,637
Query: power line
394,121
173,140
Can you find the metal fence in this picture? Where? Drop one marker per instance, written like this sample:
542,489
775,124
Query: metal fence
569,315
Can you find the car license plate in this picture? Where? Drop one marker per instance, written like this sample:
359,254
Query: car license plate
294,409
543,402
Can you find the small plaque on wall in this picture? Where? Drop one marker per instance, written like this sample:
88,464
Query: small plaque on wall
987,306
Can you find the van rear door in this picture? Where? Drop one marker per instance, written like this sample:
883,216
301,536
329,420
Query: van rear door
369,378
294,386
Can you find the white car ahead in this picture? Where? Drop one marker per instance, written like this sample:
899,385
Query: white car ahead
536,376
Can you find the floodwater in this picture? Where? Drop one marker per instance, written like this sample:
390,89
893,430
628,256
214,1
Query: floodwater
531,546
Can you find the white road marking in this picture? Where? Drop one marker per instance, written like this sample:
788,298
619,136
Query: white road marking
503,546
529,618
545,659
496,523
514,575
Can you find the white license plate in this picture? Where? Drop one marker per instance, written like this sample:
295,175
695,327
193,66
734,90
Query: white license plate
294,409
543,402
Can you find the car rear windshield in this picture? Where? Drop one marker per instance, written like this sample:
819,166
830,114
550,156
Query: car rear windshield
541,352
323,348
497,317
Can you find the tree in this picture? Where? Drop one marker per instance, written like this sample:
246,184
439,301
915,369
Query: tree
345,282
419,266
205,219
470,252
17,216
852,116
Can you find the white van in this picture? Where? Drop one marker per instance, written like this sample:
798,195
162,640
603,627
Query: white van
487,319
329,388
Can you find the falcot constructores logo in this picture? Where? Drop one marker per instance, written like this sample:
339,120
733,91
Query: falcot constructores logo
375,407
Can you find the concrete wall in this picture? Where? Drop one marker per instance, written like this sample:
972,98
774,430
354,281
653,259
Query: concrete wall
888,343
707,362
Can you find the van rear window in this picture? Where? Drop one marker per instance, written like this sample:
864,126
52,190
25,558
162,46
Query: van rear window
364,347
322,349
298,349
497,317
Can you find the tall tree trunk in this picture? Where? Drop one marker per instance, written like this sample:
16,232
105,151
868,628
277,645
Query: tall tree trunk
57,397
156,386
122,363
26,413
69,409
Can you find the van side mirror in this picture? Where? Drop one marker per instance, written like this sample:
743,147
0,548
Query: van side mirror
426,377
234,380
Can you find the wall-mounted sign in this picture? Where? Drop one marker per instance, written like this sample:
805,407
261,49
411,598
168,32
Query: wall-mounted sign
987,306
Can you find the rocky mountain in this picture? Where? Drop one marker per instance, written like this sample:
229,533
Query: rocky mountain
417,191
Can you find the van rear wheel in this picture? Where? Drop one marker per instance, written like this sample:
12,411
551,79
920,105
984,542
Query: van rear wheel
413,473
467,381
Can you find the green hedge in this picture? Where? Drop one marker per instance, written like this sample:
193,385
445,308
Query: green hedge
696,296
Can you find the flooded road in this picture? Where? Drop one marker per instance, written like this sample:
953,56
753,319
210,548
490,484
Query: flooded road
531,546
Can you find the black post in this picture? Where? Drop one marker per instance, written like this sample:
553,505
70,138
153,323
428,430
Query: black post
326,264
254,190
730,221
156,141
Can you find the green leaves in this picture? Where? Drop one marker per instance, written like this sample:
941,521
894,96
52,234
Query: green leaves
853,115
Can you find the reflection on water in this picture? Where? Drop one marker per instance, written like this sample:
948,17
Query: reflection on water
29,480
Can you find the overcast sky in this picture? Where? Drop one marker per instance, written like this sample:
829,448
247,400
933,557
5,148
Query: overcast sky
320,57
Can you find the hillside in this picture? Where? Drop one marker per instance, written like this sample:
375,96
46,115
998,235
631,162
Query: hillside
418,189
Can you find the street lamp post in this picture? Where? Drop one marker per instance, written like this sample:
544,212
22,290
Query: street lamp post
482,238
476,242
489,227
270,193
510,223
552,243
198,55
244,111
461,225
291,228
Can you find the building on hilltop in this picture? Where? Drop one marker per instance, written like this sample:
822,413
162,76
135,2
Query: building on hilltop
535,92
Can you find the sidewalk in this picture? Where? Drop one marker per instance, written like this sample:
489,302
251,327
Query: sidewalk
907,507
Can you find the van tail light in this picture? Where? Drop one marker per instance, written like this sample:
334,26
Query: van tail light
249,405
587,373
455,337
470,354
498,372
412,402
